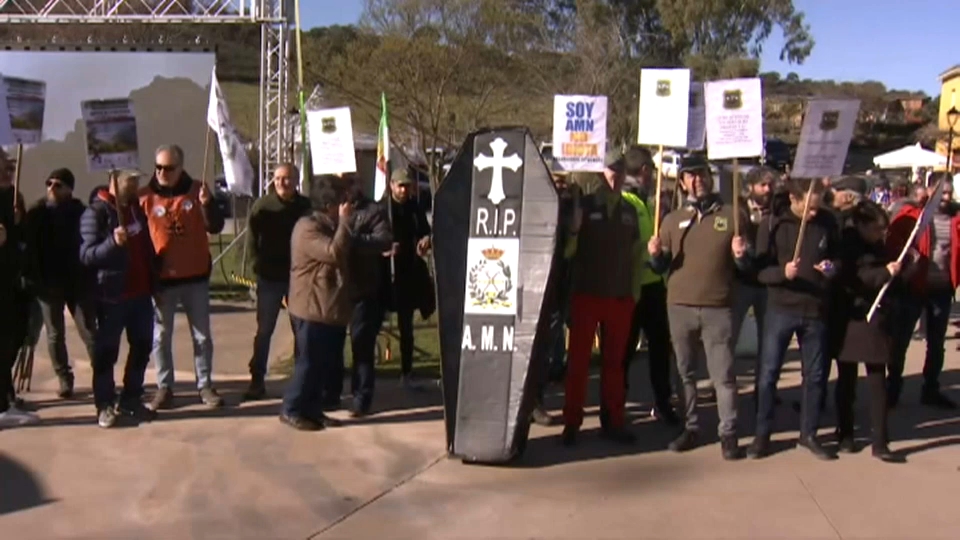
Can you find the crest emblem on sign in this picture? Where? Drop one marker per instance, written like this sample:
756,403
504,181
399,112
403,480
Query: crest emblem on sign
829,120
732,99
663,88
329,124
490,280
720,224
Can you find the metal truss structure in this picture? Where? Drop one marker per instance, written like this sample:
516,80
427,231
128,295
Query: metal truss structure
273,17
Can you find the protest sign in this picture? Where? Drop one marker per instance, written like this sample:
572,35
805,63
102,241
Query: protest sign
664,107
331,141
25,102
697,118
734,118
580,132
6,130
111,134
825,138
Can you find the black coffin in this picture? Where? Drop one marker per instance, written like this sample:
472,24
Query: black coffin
495,226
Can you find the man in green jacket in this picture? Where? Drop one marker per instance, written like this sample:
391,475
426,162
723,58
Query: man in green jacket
269,227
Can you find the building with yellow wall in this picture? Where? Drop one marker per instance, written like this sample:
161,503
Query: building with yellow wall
949,98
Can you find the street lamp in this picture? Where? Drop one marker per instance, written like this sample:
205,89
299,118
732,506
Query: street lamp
953,115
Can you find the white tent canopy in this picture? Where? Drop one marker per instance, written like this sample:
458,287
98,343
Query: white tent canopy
909,157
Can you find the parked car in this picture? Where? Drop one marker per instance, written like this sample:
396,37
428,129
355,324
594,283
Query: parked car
777,154
222,196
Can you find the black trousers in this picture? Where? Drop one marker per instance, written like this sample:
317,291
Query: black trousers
846,394
9,346
650,316
364,329
81,308
405,311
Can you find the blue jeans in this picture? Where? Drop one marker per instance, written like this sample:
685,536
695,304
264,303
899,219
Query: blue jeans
908,312
136,317
319,349
779,328
270,295
195,298
364,329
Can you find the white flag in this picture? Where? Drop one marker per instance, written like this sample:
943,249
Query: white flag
236,165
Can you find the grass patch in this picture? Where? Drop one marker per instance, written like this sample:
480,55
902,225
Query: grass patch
221,286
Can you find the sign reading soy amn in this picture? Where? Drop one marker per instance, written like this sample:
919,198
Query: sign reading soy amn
580,132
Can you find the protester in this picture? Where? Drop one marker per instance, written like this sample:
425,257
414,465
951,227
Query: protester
12,297
930,292
798,281
269,227
121,255
408,285
604,242
864,270
53,272
370,228
320,303
180,213
699,250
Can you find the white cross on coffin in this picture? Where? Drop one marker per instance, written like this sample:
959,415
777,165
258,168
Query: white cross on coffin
497,162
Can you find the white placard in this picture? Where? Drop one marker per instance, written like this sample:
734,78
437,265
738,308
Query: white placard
111,134
6,130
493,266
580,132
825,137
664,107
734,118
697,118
26,101
331,141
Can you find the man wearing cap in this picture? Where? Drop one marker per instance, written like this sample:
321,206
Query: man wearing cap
699,250
603,246
52,271
269,227
407,279
116,248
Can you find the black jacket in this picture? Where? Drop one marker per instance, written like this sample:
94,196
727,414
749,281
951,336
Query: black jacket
52,238
371,238
412,286
807,295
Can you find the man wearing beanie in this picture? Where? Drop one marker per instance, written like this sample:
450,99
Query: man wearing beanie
604,243
53,273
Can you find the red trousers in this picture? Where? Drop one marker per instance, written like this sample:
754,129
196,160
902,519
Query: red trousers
586,312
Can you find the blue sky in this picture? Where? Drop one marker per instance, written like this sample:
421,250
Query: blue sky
904,44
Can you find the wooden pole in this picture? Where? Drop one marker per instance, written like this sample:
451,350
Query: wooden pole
803,220
16,178
656,216
115,188
206,156
736,197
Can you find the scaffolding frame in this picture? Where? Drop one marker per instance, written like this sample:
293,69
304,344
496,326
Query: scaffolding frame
272,16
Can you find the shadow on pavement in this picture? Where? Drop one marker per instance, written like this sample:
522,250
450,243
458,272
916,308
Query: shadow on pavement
19,488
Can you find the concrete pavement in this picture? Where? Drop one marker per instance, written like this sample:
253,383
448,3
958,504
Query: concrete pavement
238,473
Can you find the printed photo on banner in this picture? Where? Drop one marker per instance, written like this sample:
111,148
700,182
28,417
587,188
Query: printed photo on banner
828,126
734,113
697,118
26,101
664,107
331,141
111,134
6,130
580,132
493,266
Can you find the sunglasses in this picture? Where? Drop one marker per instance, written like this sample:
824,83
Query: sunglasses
165,168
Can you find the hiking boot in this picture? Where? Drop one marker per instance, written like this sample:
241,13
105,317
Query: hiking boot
66,386
730,448
137,410
666,414
541,417
618,435
328,422
884,454
937,400
107,417
210,397
359,409
162,400
300,423
569,436
846,444
685,442
759,448
256,391
811,443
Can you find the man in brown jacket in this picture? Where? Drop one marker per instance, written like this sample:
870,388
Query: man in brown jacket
319,303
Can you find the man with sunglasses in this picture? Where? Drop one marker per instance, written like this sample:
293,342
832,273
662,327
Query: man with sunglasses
12,300
53,273
180,213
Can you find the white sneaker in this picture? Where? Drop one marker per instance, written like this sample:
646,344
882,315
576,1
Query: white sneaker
14,417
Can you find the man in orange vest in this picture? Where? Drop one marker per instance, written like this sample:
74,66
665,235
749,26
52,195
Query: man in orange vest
180,213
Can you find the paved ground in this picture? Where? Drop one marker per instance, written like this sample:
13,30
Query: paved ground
238,474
